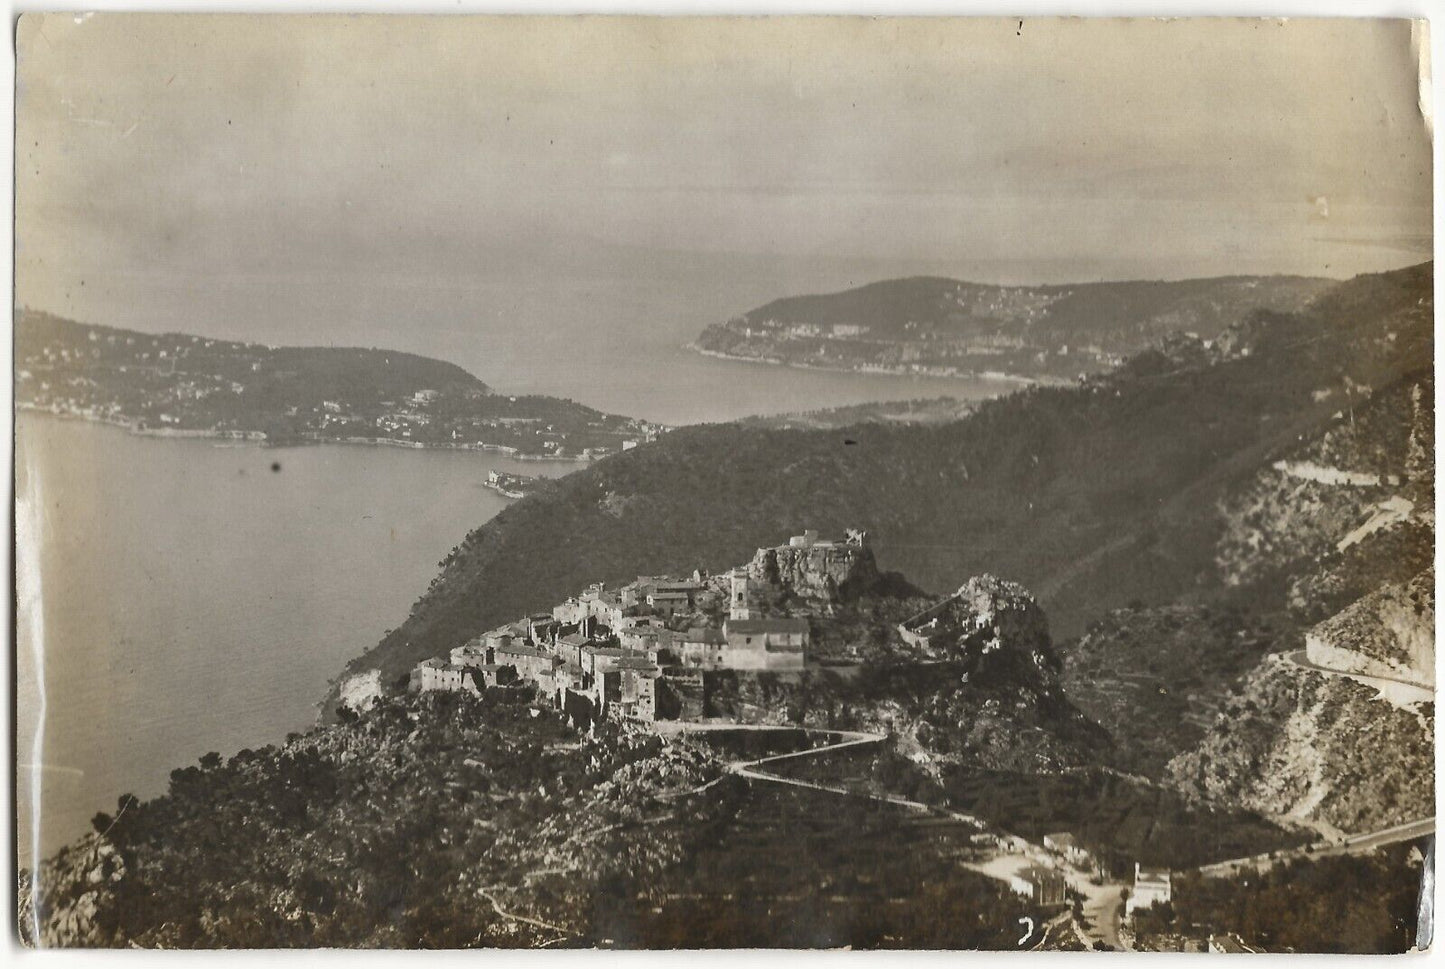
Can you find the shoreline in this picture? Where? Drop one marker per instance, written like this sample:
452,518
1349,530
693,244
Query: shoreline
502,491
881,371
257,438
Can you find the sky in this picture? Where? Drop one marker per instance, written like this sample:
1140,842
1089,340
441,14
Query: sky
260,176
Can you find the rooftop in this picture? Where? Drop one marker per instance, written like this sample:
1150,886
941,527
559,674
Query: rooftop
761,626
1039,875
610,651
1228,944
521,651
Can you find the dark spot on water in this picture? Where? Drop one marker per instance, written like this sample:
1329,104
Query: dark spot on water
275,465
849,440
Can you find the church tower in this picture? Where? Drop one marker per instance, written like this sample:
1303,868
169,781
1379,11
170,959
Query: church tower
738,595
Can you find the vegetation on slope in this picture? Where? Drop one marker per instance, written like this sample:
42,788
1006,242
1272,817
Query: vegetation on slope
1315,746
1119,819
1156,679
397,829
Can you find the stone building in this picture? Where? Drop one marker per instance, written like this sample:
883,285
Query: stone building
435,674
1065,844
766,644
1043,887
739,603
529,662
702,647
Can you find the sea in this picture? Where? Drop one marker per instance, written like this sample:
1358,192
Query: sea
187,595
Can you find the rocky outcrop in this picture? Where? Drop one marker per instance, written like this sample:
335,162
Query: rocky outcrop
73,888
989,695
985,615
1388,633
818,570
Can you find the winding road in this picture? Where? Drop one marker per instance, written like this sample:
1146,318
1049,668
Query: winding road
1103,904
1393,688
1354,844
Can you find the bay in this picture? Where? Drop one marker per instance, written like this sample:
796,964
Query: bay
194,599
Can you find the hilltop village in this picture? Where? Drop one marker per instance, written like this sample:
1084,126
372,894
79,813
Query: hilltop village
653,650
640,652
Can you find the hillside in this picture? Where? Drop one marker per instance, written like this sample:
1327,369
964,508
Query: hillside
930,324
1315,747
173,383
1157,678
1092,496
1338,725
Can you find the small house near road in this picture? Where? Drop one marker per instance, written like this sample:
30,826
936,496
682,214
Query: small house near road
1065,844
1043,887
1152,886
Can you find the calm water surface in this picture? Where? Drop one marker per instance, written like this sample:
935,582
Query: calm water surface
196,600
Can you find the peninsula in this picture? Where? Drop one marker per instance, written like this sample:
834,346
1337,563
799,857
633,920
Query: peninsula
185,385
939,327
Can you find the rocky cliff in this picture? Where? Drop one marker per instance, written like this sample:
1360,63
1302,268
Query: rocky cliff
1388,633
74,887
819,570
990,696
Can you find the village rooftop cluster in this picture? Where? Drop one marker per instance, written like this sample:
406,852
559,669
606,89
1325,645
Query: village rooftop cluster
637,652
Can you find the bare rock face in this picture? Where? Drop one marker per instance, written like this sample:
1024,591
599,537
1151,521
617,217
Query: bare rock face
986,618
1005,611
1388,633
60,905
819,570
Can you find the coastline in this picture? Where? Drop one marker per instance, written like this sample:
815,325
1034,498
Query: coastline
503,491
882,371
258,438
